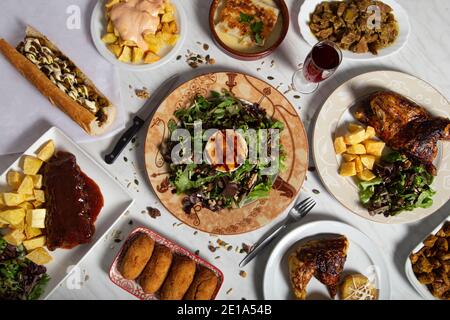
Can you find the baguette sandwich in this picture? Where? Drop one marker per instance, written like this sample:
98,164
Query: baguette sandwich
61,81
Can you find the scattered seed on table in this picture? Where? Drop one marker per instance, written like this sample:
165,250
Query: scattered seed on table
315,191
117,240
205,46
125,159
270,78
258,69
136,182
153,212
197,252
195,233
296,96
130,222
218,257
247,248
133,140
229,290
212,248
142,93
243,274
179,57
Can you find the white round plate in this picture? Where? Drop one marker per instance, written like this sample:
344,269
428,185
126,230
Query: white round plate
401,16
98,26
363,257
421,288
332,121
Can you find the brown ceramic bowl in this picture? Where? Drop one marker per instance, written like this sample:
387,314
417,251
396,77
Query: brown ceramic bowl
284,15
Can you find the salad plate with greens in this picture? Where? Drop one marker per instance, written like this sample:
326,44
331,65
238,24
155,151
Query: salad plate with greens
20,278
229,184
226,153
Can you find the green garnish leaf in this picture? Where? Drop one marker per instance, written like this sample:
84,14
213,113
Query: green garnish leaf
257,27
245,18
363,185
260,191
278,125
425,199
258,39
39,288
172,125
394,157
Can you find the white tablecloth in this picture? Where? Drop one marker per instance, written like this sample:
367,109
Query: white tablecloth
24,112
425,56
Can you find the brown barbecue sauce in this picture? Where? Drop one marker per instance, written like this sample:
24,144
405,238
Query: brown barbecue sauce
73,202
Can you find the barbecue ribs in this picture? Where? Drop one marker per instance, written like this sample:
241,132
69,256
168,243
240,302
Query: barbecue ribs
323,259
404,126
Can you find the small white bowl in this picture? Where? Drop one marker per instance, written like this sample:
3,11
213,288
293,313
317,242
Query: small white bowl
421,288
98,26
400,14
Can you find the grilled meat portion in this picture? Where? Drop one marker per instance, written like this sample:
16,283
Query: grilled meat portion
404,126
73,202
324,258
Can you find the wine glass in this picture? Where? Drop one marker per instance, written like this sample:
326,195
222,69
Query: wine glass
321,62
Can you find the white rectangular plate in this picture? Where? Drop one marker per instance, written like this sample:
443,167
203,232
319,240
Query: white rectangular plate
421,288
116,202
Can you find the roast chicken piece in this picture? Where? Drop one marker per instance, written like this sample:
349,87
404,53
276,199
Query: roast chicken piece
404,126
323,259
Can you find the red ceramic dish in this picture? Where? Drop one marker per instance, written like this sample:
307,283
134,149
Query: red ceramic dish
133,287
284,13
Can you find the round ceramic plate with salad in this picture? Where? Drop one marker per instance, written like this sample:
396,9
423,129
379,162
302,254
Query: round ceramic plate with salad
222,183
381,147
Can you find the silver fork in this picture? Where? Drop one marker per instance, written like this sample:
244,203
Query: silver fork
299,211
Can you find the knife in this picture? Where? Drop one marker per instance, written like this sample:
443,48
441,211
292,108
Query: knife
139,122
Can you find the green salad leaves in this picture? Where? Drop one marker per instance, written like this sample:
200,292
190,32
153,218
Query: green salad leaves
20,278
215,189
401,185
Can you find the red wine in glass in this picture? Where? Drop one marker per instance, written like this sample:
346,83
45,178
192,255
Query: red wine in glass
321,62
